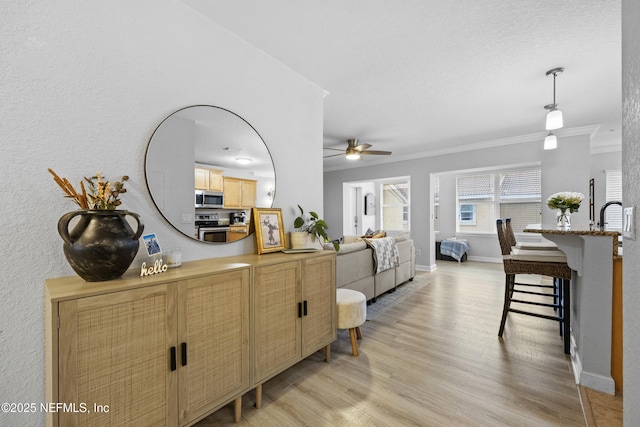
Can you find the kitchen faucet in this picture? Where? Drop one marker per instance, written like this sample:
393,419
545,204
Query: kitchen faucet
603,208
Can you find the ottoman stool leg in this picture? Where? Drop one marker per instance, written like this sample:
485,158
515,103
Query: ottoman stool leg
354,343
351,310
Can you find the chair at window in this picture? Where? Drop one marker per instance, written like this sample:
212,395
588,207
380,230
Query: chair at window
539,262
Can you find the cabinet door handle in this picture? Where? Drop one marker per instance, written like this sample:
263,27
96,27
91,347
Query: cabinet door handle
299,309
172,353
184,353
305,307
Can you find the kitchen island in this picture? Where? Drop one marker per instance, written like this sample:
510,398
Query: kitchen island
590,254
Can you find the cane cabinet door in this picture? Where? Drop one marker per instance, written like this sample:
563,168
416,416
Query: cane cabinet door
213,341
276,325
319,303
115,358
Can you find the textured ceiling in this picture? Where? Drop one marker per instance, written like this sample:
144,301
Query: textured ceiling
424,76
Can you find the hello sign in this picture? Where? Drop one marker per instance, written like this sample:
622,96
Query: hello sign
158,267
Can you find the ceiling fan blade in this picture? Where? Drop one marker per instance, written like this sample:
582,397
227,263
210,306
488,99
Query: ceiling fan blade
383,153
333,155
336,149
361,147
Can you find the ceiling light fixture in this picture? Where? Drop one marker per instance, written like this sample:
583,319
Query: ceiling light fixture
243,160
554,117
352,154
550,142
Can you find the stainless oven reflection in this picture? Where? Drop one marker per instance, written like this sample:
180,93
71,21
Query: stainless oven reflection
211,228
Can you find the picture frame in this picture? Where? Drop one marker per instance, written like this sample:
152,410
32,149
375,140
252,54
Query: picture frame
370,204
151,244
269,229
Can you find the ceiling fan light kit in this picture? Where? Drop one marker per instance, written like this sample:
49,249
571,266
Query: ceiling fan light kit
352,154
354,150
554,116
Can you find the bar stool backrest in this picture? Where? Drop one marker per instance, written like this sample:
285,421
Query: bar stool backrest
505,247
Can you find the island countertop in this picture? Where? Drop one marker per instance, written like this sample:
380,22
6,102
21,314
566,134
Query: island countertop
577,230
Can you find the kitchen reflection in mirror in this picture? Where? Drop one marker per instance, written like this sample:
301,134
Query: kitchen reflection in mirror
206,167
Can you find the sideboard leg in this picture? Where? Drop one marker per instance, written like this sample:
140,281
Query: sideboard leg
237,406
258,396
327,353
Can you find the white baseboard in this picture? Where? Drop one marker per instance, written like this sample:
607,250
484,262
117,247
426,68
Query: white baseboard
484,259
587,379
426,267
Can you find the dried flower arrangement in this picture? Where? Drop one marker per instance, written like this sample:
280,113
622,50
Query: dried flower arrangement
100,195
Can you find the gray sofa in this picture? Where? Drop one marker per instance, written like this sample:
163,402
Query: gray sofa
355,268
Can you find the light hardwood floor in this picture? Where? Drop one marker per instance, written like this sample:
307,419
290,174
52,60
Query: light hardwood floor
432,359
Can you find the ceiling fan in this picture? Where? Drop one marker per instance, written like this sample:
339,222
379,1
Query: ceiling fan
355,150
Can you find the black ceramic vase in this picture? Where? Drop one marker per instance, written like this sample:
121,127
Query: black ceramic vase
101,246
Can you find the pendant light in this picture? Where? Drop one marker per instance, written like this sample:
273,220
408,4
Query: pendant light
554,117
550,142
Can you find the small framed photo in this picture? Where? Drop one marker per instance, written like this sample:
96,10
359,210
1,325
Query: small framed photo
269,230
151,244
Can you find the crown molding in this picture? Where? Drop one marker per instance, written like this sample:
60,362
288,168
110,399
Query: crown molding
521,139
603,149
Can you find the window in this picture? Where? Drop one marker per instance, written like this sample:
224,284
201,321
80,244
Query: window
510,193
467,214
476,206
395,206
520,196
613,214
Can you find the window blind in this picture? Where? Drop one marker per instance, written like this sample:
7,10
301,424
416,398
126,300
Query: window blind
613,214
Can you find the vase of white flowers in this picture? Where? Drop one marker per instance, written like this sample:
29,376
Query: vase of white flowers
565,203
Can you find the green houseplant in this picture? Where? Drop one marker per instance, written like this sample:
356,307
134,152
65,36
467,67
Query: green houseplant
312,224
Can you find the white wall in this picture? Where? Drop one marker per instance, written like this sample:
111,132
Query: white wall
599,164
631,197
562,170
83,86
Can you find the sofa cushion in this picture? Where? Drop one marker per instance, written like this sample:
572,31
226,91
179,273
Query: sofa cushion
353,266
404,250
347,248
351,239
370,234
401,237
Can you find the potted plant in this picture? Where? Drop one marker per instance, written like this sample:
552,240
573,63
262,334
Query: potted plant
309,224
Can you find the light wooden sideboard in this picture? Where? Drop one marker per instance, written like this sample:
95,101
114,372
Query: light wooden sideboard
171,348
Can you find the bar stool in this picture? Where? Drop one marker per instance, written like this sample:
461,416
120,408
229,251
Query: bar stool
534,246
540,262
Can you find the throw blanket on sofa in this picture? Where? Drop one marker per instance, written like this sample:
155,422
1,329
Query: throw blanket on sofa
385,253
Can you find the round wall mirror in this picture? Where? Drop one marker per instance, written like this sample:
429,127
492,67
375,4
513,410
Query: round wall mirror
206,167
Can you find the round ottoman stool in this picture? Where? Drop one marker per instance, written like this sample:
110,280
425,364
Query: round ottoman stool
352,312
